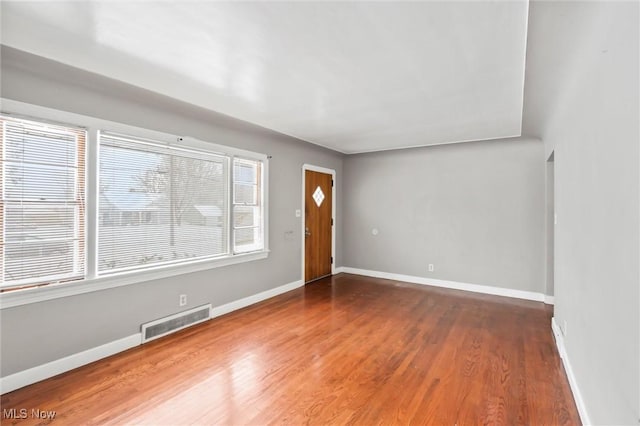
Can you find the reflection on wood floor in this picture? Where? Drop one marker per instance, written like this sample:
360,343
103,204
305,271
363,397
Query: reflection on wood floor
342,350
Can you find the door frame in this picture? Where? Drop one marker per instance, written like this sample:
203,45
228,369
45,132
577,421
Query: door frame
331,172
550,231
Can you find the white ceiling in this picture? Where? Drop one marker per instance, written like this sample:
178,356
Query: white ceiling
350,76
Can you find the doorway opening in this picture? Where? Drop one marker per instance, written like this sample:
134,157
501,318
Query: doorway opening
551,222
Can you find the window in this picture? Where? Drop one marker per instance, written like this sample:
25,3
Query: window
42,202
247,210
159,204
150,203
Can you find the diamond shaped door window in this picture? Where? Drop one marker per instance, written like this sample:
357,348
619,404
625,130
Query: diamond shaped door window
318,196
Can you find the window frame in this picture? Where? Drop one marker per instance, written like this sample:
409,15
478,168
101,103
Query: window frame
259,188
108,139
75,202
92,281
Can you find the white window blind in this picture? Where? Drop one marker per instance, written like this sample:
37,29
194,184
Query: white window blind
247,206
43,202
159,204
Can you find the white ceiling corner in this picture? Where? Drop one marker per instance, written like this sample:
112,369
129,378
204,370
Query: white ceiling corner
351,76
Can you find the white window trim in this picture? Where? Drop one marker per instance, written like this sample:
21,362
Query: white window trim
92,282
233,204
69,202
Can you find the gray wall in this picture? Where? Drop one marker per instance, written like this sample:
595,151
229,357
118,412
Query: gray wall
474,210
41,332
582,98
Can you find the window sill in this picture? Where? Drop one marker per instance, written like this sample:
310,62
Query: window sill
55,291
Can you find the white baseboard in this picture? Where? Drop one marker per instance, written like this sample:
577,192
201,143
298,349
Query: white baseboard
549,300
250,300
338,270
476,288
53,368
577,395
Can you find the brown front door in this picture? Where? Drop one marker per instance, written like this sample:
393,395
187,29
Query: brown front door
318,222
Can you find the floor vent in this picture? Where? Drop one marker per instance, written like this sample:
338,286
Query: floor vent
163,326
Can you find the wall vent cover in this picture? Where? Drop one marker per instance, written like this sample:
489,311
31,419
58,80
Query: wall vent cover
167,325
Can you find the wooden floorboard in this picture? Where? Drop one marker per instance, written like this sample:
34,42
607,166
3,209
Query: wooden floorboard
343,350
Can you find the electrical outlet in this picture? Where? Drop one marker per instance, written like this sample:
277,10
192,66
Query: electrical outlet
183,299
431,267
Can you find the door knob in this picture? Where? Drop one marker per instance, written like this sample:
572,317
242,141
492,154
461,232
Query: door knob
307,232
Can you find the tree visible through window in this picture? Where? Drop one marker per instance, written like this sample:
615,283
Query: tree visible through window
159,204
155,204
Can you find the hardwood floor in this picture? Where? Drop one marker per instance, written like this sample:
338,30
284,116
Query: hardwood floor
342,350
